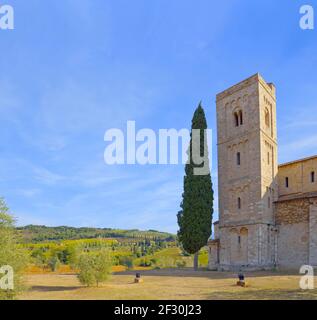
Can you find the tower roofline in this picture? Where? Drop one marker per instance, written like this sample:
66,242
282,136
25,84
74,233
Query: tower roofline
245,83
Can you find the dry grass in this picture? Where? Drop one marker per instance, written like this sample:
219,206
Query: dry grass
66,269
168,285
32,269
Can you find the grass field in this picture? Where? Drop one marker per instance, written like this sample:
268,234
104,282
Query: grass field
168,284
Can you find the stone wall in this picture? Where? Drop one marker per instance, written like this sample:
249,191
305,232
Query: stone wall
293,247
213,254
292,211
313,233
299,174
292,220
248,246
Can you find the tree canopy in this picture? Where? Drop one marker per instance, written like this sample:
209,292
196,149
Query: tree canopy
195,216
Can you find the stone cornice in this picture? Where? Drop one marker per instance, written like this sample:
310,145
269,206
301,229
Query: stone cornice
213,241
297,196
237,87
242,224
245,83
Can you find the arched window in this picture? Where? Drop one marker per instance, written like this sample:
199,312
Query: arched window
239,203
236,119
238,159
267,118
312,176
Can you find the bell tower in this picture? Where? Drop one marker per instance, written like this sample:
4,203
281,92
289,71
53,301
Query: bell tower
247,169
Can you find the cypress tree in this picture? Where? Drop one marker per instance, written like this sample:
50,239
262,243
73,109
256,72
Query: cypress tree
195,216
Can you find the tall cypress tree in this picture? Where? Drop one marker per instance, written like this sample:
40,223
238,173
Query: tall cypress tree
195,217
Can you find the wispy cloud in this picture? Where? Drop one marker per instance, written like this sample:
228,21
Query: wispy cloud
298,148
46,176
28,193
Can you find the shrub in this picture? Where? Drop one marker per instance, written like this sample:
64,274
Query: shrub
10,253
181,264
54,263
145,262
126,261
165,262
94,268
86,274
39,258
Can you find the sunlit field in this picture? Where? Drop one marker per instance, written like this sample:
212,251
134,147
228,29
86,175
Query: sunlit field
167,284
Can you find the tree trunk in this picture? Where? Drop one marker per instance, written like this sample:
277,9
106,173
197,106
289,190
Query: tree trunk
196,261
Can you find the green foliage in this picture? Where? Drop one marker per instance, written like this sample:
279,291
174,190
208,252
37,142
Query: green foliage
40,258
127,261
73,253
203,257
195,217
34,234
145,262
54,263
86,274
124,251
94,268
129,252
10,253
181,263
6,220
165,258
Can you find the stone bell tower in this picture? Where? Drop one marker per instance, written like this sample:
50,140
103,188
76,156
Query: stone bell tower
247,170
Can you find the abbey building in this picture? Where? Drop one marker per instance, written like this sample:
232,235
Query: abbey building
267,212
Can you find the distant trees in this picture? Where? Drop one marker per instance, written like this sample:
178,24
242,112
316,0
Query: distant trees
35,234
195,217
125,252
39,258
10,253
94,268
127,261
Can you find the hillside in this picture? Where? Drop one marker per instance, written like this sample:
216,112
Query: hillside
33,233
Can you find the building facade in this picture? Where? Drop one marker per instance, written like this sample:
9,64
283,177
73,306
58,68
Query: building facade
267,212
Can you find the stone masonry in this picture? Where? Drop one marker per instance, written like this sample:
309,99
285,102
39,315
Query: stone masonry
267,213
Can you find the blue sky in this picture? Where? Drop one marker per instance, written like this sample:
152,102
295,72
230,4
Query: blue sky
72,69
